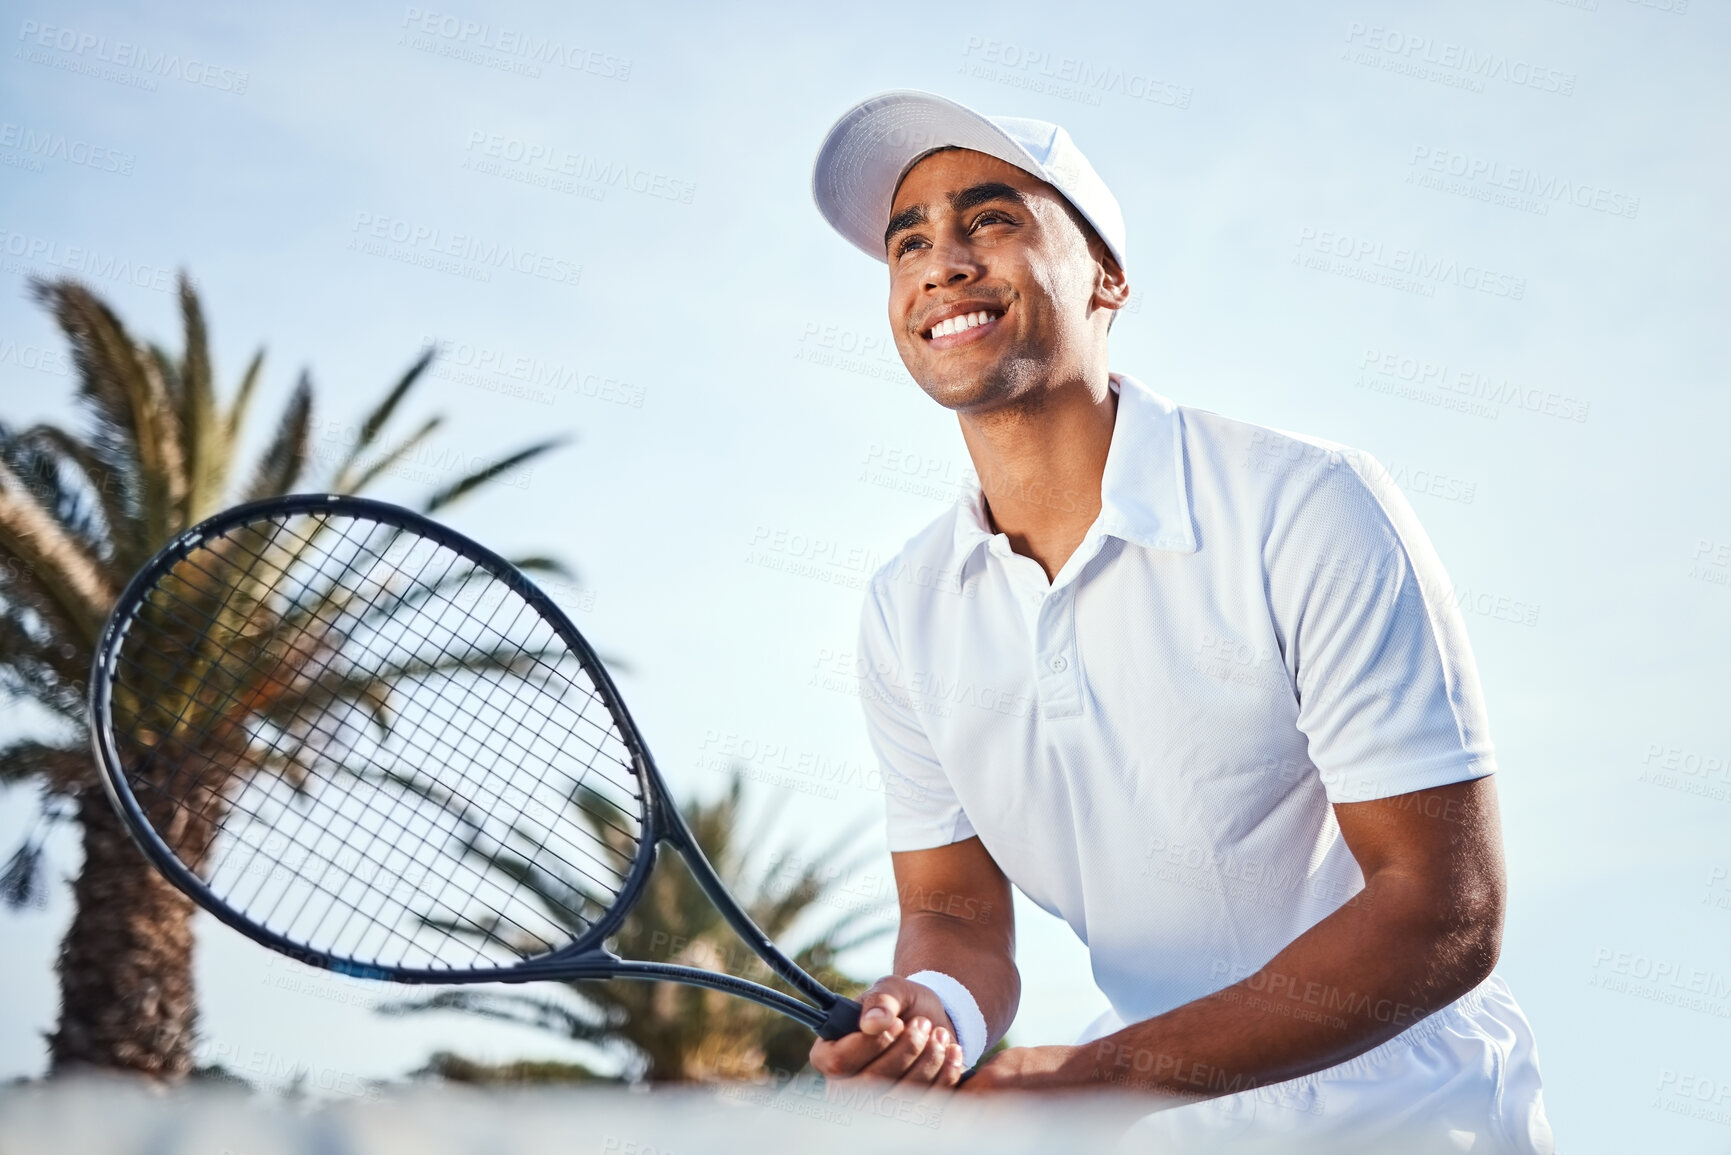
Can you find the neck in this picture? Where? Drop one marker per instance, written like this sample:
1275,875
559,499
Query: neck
1040,460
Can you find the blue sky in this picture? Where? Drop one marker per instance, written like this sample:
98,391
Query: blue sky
1484,242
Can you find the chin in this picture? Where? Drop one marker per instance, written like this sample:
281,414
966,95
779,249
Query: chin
962,393
981,390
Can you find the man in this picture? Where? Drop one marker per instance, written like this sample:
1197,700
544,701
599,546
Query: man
1196,686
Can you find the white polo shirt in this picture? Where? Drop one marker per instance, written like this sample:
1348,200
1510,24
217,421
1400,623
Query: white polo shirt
1255,627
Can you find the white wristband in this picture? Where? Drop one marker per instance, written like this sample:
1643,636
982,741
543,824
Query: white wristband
964,1012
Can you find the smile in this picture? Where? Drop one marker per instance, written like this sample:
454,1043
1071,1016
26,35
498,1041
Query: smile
963,323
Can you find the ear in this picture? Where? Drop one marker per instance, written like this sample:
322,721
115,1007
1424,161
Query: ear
1111,286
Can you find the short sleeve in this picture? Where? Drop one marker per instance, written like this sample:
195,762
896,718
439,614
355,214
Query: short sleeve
1388,693
922,810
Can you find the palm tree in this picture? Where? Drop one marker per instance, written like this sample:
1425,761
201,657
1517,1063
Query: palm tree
79,513
665,1032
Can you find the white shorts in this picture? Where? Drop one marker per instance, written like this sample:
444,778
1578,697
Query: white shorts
1463,1079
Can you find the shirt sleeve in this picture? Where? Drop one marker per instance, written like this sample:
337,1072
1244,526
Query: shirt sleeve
922,810
1388,693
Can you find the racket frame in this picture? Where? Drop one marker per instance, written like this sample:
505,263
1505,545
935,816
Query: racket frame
585,958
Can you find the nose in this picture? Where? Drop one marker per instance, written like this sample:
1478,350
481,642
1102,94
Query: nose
950,262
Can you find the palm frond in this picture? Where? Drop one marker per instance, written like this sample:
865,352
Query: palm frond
583,1021
35,667
574,902
675,1032
209,448
836,939
779,906
365,476
541,563
243,398
165,463
281,465
82,488
375,422
480,477
370,688
130,395
167,373
22,885
109,378
451,1067
64,768
195,373
75,581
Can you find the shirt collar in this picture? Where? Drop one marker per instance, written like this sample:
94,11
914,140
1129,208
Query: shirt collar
1143,495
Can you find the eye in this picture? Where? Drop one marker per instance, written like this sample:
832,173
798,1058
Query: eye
907,243
991,215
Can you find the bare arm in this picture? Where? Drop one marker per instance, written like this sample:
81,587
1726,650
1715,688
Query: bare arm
956,918
1426,929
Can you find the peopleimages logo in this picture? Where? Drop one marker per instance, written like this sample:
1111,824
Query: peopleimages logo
1483,391
482,367
1411,269
29,253
583,168
127,63
445,34
461,254
1492,180
1445,62
37,357
44,145
1066,77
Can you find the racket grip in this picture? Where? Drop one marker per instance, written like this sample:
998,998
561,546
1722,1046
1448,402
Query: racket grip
843,1020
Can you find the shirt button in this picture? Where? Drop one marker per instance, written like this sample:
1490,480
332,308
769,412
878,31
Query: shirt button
1059,665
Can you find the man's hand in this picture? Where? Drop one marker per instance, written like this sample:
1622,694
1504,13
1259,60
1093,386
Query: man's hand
1022,1069
904,1037
956,918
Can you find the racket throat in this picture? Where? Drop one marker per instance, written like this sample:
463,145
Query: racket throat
571,962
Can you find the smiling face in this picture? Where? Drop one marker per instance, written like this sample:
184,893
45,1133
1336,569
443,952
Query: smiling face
996,292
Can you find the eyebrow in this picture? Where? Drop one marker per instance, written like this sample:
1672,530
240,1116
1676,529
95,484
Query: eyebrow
904,220
970,197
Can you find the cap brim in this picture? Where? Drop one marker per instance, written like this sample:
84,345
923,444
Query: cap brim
865,154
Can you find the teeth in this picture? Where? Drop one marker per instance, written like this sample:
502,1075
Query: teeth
961,324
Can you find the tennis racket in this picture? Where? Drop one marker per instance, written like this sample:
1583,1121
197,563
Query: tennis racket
374,746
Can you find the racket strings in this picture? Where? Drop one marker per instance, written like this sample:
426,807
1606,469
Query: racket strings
458,706
293,840
458,709
613,883
427,782
519,652
363,851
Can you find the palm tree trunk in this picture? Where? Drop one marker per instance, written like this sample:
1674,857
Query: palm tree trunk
125,966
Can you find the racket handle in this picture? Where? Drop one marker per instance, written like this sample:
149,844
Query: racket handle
843,1020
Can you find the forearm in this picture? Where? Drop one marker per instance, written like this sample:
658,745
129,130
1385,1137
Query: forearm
969,948
1362,975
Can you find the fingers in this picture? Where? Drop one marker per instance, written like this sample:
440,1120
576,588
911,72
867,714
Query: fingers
929,1063
903,1036
921,1057
924,1056
891,997
939,1065
849,1054
900,1056
955,1067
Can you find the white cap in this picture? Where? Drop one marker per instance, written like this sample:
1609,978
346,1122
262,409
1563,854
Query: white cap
870,148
